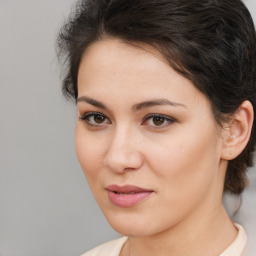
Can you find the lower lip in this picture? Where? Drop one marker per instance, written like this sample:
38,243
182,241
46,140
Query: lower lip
128,200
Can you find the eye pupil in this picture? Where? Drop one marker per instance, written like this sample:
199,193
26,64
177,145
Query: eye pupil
158,120
99,119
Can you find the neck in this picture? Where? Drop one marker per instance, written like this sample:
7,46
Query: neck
210,236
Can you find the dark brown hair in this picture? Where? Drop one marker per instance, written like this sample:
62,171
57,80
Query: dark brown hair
210,42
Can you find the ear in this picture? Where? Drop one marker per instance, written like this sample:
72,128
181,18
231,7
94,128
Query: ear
237,134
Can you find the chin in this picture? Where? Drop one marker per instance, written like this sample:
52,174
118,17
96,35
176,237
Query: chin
132,230
135,225
127,224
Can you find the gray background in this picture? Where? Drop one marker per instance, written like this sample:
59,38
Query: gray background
45,205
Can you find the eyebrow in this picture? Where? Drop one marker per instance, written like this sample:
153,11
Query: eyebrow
136,107
156,102
91,101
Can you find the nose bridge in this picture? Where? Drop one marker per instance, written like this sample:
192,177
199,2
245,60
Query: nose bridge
123,153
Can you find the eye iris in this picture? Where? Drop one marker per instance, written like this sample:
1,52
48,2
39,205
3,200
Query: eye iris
158,120
99,119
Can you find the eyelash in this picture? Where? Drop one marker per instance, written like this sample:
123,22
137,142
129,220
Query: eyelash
86,117
166,119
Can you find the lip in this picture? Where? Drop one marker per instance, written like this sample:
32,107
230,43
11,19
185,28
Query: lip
127,195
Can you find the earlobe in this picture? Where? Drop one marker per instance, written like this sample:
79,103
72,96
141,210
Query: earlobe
237,134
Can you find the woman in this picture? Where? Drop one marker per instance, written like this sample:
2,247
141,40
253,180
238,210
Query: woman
165,94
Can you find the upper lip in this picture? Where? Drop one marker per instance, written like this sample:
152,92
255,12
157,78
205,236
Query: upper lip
127,189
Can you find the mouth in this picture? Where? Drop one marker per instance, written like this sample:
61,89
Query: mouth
128,195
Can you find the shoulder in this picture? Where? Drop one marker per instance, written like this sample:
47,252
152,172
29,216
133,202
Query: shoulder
111,248
237,248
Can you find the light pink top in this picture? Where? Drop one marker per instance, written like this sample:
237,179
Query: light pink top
114,247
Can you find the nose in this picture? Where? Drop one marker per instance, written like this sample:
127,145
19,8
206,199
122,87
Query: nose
123,153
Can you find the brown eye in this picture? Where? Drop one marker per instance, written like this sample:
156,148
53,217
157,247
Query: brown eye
99,119
95,119
157,120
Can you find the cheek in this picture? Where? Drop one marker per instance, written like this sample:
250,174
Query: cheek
186,164
88,152
186,171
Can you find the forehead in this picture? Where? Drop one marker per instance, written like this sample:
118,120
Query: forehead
112,53
115,59
114,68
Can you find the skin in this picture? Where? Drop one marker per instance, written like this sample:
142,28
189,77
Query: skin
179,158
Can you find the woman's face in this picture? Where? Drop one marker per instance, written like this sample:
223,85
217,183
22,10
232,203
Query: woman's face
146,140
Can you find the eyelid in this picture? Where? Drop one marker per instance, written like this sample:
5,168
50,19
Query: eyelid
90,113
87,115
169,119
